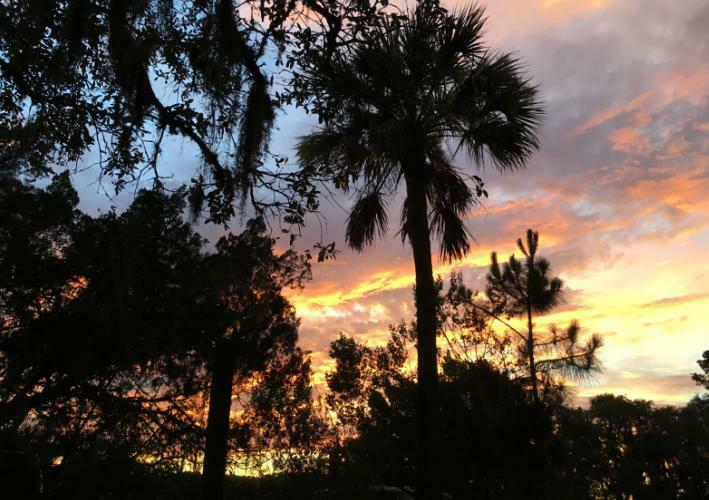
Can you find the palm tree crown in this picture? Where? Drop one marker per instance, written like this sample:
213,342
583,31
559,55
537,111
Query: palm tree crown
393,104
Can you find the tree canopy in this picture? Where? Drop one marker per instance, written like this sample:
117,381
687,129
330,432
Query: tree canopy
113,327
104,83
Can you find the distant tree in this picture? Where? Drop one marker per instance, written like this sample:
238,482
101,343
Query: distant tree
579,465
488,421
360,369
349,381
389,104
527,289
650,451
693,449
491,434
258,324
373,397
496,441
702,379
622,423
283,422
468,323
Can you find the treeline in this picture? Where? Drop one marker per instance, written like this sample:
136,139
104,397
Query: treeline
132,354
497,443
507,427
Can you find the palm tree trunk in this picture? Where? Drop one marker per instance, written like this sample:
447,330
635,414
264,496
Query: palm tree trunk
215,453
427,420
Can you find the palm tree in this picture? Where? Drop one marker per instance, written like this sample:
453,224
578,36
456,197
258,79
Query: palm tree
390,106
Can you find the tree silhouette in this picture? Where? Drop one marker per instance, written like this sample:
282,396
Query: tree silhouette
258,324
702,379
281,418
468,323
527,289
373,397
100,354
491,434
115,328
649,451
118,79
390,104
82,75
486,439
34,278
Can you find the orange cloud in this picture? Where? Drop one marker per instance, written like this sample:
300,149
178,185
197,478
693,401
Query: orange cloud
666,89
630,140
513,17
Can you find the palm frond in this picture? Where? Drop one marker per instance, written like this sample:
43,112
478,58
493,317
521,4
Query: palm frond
459,38
333,153
450,228
450,199
367,219
316,150
500,113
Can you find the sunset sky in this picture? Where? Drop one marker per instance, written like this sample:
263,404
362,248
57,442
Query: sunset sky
619,194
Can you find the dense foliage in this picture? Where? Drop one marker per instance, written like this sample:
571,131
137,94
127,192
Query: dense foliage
113,84
498,443
113,329
502,435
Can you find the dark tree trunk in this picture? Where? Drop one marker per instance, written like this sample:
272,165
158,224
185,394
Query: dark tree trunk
428,485
532,363
215,453
536,486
